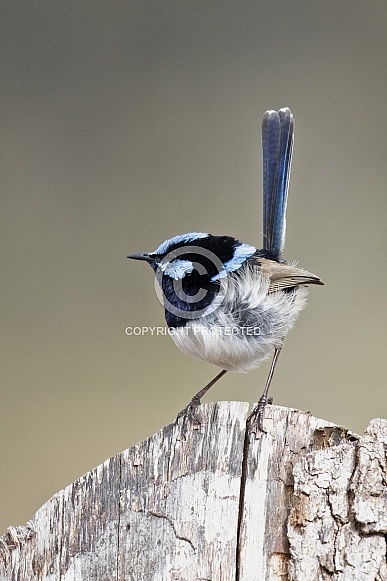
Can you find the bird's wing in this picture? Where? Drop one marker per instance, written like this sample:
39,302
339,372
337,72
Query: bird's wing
284,276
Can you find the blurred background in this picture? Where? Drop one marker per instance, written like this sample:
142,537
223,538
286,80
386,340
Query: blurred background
124,123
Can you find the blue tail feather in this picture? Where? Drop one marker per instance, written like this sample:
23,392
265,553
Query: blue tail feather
277,145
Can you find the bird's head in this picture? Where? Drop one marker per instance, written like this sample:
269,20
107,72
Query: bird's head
189,267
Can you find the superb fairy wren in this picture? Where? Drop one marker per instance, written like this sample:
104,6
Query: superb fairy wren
227,302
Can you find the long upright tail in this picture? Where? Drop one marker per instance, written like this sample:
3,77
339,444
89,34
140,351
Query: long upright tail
277,146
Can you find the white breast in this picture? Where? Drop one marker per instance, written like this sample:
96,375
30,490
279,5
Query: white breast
246,327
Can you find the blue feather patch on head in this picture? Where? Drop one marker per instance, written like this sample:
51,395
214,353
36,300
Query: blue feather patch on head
177,269
181,238
241,253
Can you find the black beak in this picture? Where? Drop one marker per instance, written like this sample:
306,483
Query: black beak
142,256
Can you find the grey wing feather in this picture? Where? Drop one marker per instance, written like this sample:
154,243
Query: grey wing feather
283,276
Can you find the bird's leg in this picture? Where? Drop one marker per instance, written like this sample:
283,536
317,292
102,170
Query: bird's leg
256,416
189,412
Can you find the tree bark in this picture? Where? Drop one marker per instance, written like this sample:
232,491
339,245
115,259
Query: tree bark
306,501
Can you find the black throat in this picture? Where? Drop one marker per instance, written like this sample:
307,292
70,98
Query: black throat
187,299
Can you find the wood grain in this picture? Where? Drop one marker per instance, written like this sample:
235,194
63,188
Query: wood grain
306,501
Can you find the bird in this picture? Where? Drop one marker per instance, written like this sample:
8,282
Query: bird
230,303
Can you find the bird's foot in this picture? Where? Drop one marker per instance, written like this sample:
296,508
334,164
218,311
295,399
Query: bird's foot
189,414
255,419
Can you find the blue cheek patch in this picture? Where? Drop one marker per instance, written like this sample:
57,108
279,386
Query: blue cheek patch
177,269
241,253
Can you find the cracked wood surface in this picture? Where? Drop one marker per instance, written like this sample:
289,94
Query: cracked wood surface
307,501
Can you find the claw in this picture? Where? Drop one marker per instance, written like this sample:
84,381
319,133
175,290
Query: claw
257,415
189,414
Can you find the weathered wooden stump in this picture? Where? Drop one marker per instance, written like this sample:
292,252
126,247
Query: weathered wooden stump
306,502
